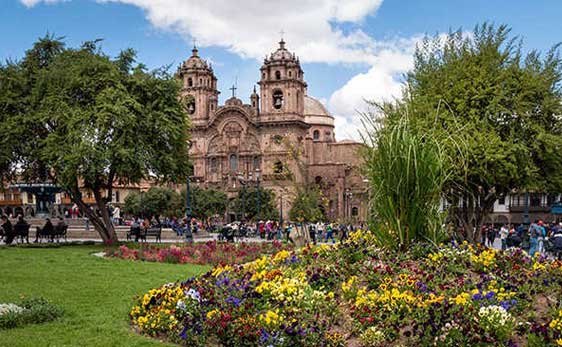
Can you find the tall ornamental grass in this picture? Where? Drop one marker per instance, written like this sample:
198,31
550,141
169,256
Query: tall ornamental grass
407,169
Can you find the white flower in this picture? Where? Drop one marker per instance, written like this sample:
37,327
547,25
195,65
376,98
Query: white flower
10,308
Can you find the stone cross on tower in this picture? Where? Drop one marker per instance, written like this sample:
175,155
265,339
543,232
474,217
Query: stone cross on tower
233,88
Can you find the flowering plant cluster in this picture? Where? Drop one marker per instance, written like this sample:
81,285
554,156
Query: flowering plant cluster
211,252
354,293
28,311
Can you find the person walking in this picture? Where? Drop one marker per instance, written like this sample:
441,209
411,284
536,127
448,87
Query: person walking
330,233
541,236
491,236
504,231
534,233
312,232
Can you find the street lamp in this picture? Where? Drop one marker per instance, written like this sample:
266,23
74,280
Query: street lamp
258,194
243,183
188,211
280,209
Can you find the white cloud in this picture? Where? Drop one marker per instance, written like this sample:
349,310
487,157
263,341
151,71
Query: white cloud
382,82
314,31
31,3
246,27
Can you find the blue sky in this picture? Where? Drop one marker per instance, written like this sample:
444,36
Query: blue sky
350,49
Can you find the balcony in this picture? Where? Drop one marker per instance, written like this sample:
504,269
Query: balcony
532,208
11,202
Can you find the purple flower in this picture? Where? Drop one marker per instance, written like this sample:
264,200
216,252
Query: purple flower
477,296
490,295
233,300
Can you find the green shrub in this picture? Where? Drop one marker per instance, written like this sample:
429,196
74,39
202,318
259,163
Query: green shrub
34,311
406,170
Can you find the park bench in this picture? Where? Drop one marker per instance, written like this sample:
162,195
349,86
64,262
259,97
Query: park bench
133,231
22,230
155,231
60,231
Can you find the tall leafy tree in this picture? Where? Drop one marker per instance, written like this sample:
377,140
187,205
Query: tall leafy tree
249,197
503,108
207,203
86,121
155,202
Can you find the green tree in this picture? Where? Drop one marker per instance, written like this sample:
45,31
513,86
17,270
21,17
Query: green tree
307,206
501,106
155,202
207,203
84,120
249,197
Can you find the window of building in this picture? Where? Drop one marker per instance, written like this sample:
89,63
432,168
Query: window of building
290,74
256,162
318,180
253,103
233,162
190,82
278,75
214,165
354,211
200,81
316,135
277,99
263,75
117,197
278,167
535,199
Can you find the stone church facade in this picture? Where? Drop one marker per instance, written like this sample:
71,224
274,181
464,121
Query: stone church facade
283,136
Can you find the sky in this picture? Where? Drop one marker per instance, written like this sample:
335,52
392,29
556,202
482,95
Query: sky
350,50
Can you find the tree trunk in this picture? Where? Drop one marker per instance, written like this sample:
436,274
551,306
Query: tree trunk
103,225
108,226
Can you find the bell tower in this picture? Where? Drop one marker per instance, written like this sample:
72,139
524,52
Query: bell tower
282,85
199,87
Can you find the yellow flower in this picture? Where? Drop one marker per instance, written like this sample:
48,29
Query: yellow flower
212,313
461,299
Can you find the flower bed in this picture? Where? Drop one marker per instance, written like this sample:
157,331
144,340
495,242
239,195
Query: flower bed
354,294
28,311
210,252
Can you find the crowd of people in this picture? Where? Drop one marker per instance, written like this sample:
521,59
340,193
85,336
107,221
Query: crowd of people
538,237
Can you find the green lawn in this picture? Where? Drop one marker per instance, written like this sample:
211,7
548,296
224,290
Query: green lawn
95,293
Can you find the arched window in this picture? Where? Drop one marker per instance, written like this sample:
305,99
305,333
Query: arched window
263,75
318,180
354,211
278,167
316,135
290,74
190,82
233,162
214,165
256,162
278,75
200,81
277,99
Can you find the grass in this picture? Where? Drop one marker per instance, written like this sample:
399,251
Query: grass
96,294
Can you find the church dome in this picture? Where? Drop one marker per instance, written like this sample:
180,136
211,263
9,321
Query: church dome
316,113
281,55
195,62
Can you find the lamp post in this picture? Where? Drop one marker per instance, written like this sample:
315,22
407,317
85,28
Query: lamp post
258,194
347,196
280,209
243,183
188,211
